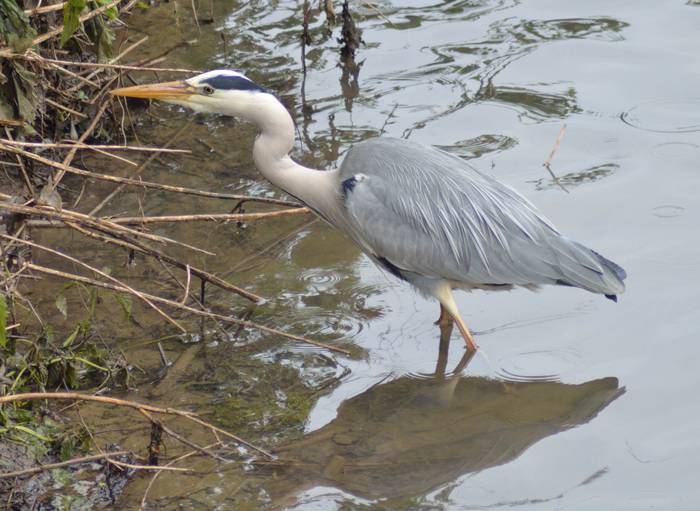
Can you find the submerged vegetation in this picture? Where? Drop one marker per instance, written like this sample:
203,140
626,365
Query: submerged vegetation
61,312
84,293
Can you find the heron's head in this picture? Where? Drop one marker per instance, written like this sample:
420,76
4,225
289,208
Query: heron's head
222,91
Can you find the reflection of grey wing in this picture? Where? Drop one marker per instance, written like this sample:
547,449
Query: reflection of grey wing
428,212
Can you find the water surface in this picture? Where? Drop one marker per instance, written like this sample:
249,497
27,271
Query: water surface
574,402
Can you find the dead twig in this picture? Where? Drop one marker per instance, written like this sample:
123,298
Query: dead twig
239,266
64,108
58,30
76,396
379,13
215,217
126,51
144,249
122,67
148,467
25,176
72,216
177,436
548,162
133,291
71,154
137,182
67,463
141,168
192,310
172,462
45,9
70,145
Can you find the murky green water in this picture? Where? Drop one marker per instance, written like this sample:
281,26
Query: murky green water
573,402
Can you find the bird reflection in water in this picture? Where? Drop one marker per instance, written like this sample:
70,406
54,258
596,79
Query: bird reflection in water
411,435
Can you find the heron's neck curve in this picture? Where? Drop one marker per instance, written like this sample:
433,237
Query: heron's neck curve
271,155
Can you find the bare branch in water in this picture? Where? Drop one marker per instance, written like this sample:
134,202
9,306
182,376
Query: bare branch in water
548,162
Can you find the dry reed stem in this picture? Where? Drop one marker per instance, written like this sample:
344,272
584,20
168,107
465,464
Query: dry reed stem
236,438
144,249
548,162
52,33
73,75
14,148
144,184
215,217
148,467
65,109
126,51
186,308
45,9
124,67
66,215
120,158
141,168
69,157
69,145
77,396
23,170
72,216
186,294
133,291
262,251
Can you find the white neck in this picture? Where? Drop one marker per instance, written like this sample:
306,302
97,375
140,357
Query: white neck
271,155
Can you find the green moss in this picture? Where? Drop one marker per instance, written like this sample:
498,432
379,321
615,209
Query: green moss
274,403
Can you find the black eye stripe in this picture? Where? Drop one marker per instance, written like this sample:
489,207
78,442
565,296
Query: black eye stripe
229,82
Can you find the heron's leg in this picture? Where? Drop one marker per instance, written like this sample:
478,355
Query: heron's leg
444,350
445,319
466,358
444,294
443,353
466,334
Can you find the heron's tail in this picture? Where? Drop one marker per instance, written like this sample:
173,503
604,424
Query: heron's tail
585,268
617,270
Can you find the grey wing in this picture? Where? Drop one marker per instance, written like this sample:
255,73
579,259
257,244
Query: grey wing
428,212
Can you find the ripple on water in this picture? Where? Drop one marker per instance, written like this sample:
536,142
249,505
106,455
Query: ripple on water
479,146
668,211
325,315
573,179
525,31
665,116
675,150
530,366
321,277
537,104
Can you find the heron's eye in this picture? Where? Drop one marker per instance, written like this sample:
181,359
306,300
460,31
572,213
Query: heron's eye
208,90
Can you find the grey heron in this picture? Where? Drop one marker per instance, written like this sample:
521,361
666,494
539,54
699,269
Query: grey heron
424,215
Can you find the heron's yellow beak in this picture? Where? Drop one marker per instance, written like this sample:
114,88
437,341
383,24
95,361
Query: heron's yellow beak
177,90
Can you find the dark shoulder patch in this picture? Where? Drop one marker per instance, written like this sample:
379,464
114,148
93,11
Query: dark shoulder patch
612,297
231,82
391,268
348,186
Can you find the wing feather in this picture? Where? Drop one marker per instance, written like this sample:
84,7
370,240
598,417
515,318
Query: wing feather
429,212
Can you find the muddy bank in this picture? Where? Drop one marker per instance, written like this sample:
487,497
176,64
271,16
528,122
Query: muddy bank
493,82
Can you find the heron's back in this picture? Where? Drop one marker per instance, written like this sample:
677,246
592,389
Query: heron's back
430,213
